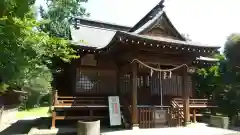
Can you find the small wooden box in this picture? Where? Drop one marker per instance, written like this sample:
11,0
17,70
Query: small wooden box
160,117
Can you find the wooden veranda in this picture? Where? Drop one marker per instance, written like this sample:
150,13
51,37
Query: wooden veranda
149,66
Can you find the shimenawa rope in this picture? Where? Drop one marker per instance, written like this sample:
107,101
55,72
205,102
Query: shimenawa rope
159,69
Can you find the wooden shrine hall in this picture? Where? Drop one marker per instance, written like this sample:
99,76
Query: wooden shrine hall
148,66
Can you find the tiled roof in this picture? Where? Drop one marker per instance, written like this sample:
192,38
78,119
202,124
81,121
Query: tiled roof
91,36
99,37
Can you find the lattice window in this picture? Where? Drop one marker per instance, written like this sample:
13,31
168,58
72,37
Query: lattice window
92,81
87,81
125,83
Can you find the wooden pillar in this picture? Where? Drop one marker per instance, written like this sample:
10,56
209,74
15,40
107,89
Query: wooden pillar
55,102
194,115
185,95
134,94
53,119
118,89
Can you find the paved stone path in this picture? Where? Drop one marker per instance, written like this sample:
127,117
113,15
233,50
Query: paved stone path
8,118
10,125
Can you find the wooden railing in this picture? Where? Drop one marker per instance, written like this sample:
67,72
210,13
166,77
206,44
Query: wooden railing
196,103
63,101
176,114
68,103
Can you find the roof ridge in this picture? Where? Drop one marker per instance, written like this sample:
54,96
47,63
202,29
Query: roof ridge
102,22
155,10
149,22
89,26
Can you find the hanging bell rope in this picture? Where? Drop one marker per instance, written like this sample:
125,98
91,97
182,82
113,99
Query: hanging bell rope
159,69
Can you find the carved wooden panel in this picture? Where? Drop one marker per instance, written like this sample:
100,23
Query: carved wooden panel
88,60
158,31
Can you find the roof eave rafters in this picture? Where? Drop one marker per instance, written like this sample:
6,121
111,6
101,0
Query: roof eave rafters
163,44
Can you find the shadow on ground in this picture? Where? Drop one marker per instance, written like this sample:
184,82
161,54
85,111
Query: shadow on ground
23,127
19,127
41,124
235,128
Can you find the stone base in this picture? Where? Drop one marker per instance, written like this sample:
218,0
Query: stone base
135,126
187,123
88,128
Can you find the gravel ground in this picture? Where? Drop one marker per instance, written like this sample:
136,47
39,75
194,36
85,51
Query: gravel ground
175,131
11,126
196,129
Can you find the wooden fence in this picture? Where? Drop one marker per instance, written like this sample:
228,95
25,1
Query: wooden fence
146,115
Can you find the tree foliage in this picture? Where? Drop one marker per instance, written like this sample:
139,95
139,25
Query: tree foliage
223,80
26,52
61,14
231,49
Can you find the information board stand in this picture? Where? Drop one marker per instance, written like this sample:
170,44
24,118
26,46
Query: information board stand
114,111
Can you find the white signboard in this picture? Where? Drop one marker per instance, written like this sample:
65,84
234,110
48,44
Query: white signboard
114,110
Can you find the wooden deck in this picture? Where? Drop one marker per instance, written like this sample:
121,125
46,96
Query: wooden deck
68,107
94,108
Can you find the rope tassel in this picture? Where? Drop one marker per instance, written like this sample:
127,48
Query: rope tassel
164,75
151,72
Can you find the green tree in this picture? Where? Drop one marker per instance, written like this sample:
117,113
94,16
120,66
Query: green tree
223,79
61,14
231,49
25,52
209,80
232,74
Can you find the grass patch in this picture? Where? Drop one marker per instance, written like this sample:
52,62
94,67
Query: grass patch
37,112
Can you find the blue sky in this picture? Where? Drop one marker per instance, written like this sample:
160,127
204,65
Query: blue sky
205,21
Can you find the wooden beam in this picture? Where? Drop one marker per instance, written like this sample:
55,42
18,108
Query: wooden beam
96,68
134,95
185,95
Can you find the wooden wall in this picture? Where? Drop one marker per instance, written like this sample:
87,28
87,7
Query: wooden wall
92,76
149,88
